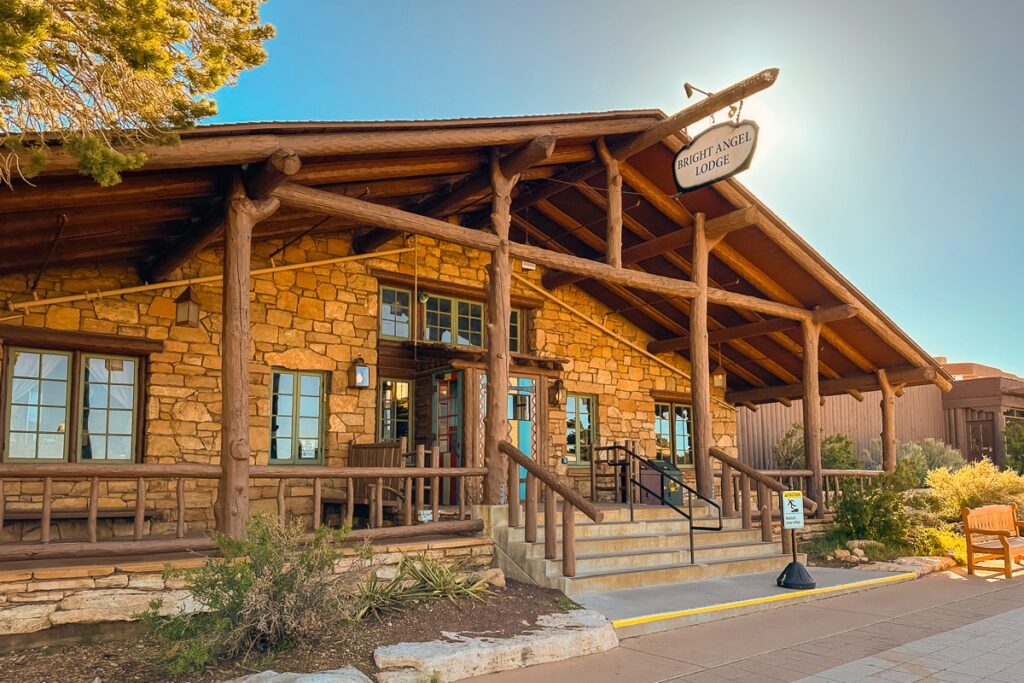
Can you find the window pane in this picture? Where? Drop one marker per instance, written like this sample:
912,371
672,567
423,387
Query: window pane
53,393
51,419
96,396
122,396
309,427
26,364
308,449
283,383
25,391
309,406
310,385
281,449
395,312
281,425
51,446
96,370
23,445
124,375
24,418
55,366
282,405
119,422
96,421
94,447
119,448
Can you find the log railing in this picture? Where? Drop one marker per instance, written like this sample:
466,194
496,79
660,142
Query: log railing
766,488
833,482
43,508
537,476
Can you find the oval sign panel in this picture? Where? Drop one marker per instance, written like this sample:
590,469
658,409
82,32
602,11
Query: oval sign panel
717,153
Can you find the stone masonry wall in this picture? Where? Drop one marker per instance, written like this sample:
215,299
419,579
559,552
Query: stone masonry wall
319,318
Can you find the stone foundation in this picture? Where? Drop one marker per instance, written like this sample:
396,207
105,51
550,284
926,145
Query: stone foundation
33,600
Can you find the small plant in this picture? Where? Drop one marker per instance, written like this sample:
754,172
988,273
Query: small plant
417,580
938,541
268,590
979,483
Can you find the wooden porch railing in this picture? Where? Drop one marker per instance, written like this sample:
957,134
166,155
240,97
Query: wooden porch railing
571,501
412,479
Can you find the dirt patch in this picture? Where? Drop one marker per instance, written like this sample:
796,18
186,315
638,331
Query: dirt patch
507,612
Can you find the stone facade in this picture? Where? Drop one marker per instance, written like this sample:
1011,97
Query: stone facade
36,599
322,318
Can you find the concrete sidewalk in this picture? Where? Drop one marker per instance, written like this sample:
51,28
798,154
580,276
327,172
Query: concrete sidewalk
811,639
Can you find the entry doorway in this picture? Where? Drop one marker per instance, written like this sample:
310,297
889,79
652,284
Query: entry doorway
447,427
522,410
981,442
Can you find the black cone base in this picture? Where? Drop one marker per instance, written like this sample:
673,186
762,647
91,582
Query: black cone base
795,576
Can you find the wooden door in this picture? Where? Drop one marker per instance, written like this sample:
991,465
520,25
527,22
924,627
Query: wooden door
981,440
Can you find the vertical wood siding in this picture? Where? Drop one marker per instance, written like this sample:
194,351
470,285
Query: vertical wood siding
919,416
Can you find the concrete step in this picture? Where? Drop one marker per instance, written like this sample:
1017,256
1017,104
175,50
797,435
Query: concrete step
669,573
615,529
620,513
638,542
592,563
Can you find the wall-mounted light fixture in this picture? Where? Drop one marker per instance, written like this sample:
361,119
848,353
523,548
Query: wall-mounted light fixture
556,393
423,297
359,374
187,309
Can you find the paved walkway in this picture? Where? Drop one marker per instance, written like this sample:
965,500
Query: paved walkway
945,627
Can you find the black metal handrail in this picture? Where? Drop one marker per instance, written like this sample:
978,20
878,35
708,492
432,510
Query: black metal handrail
631,481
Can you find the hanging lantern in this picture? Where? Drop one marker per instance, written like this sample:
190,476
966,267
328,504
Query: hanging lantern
359,374
187,309
718,378
556,393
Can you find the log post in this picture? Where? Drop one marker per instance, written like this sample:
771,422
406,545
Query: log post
888,434
499,310
232,506
700,364
613,238
812,412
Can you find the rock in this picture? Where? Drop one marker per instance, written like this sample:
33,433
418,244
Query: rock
864,560
859,552
25,618
919,565
843,555
346,675
829,558
493,577
866,546
560,636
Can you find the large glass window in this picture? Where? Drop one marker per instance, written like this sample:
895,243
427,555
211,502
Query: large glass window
438,320
395,410
37,404
672,433
71,406
469,324
395,313
580,428
108,407
297,417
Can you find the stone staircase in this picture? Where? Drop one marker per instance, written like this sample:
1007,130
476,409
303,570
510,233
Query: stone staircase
652,549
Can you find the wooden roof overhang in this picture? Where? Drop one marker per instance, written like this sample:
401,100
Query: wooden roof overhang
159,215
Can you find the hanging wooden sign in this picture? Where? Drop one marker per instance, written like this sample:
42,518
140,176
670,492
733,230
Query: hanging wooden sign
718,153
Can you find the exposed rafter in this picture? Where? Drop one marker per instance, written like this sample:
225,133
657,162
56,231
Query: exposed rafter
831,387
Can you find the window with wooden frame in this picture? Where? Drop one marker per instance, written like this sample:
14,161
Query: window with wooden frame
71,405
673,433
515,331
580,428
394,409
297,417
395,313
461,322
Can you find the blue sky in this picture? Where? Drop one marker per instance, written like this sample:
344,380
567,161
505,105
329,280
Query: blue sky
890,141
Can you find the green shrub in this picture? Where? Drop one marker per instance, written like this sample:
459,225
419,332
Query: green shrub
873,512
837,451
979,483
938,454
1014,437
938,541
268,590
927,454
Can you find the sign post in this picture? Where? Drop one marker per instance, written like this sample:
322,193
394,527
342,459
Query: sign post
795,574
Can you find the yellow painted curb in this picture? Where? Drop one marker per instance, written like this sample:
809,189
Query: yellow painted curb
647,619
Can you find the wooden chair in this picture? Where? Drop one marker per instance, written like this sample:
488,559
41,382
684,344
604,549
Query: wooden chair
998,526
384,454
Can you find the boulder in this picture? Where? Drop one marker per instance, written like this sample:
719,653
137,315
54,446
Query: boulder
25,618
843,555
859,552
493,577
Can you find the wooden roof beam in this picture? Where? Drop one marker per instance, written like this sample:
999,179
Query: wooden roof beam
860,383
259,181
754,329
395,219
716,228
444,204
655,133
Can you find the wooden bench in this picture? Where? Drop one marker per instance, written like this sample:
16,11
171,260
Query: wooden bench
1000,532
